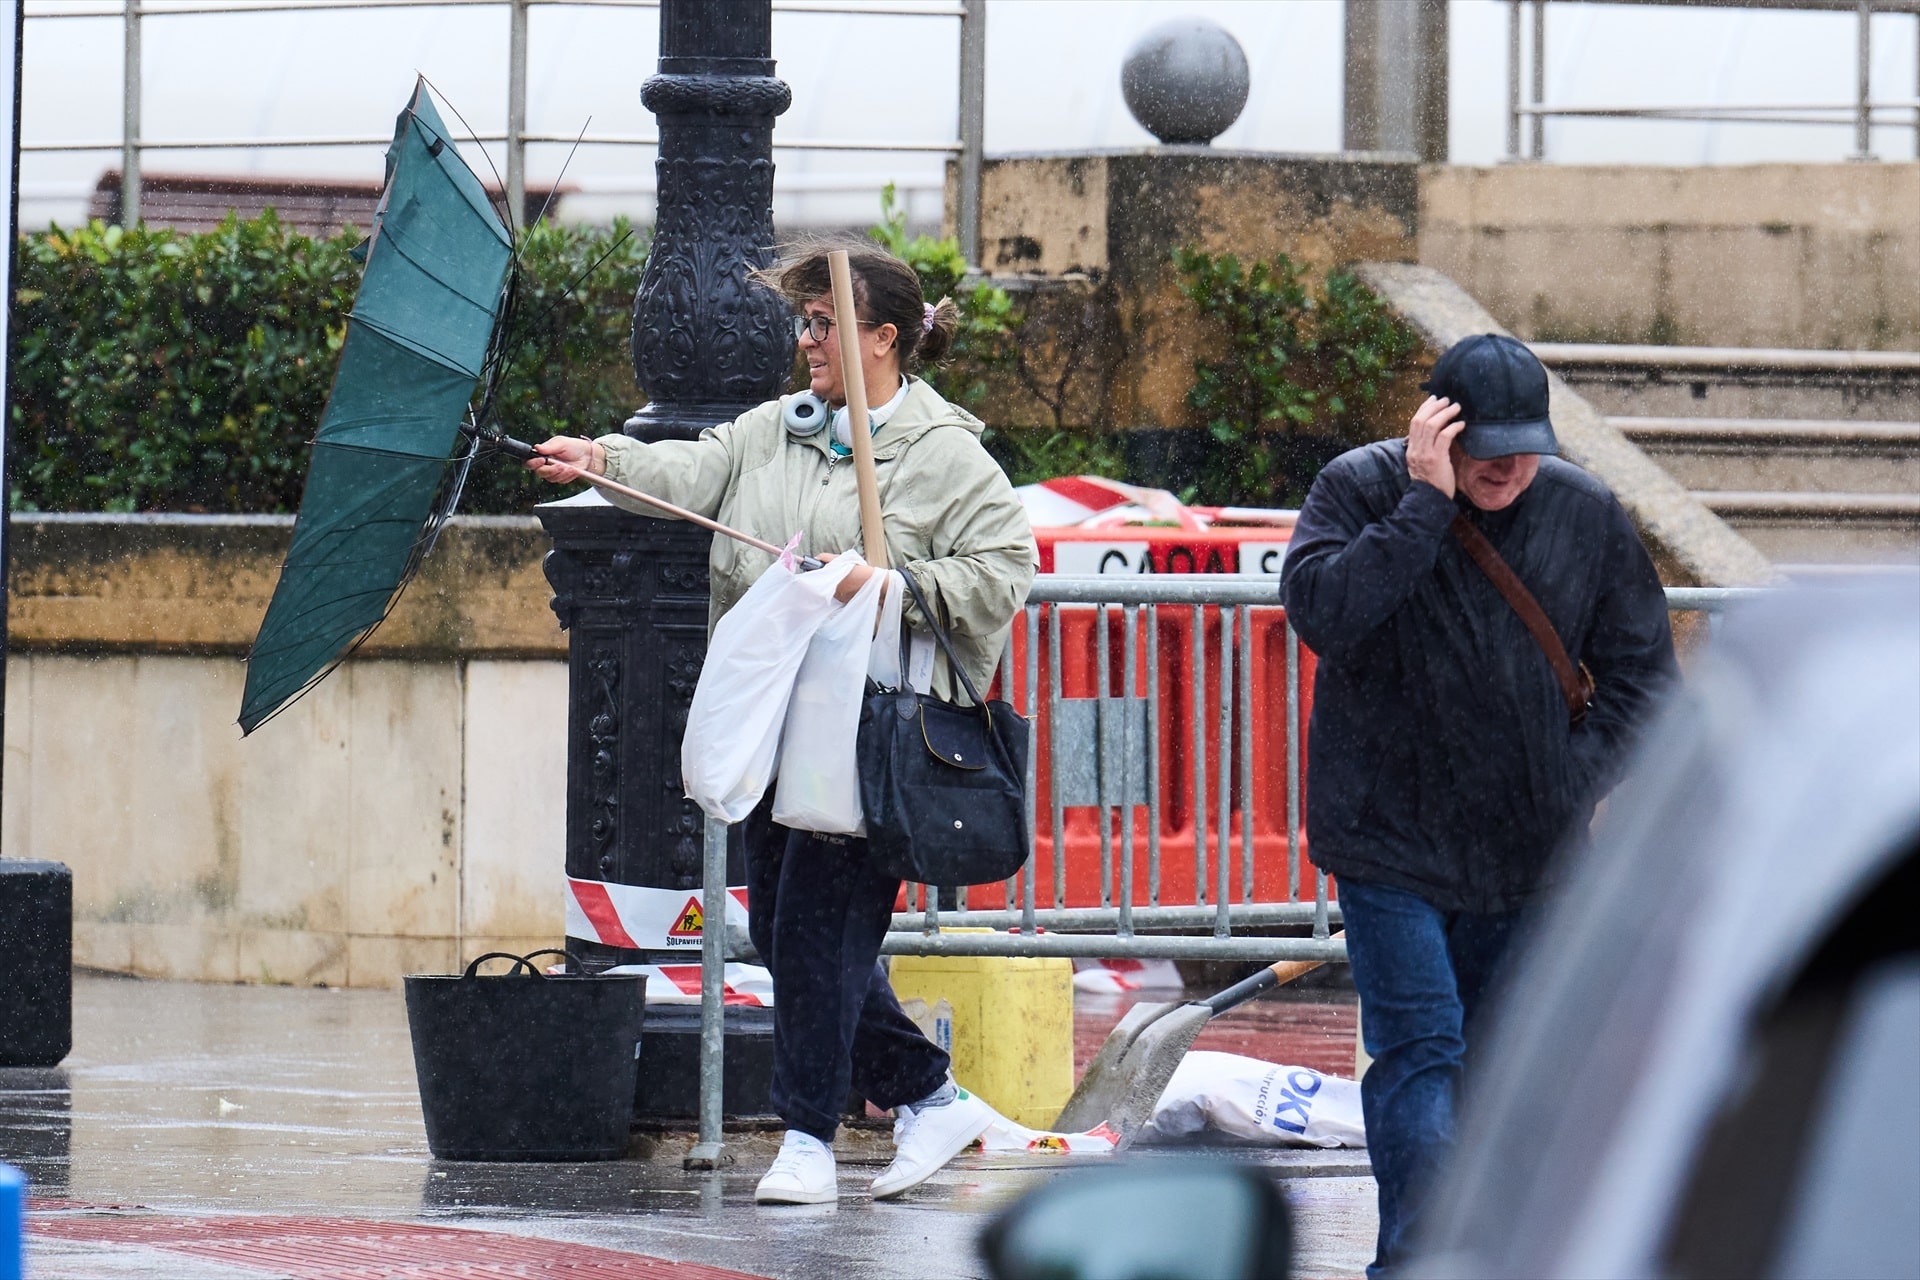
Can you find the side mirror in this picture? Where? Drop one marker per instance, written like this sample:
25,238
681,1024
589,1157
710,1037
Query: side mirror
1167,1219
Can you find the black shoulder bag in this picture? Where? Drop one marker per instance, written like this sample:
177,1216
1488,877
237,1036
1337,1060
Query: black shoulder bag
942,786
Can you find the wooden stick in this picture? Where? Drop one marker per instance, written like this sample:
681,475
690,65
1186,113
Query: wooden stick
873,534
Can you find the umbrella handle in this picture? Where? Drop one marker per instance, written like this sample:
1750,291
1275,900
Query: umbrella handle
526,452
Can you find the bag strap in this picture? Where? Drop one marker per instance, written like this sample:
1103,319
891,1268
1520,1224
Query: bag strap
1576,685
946,645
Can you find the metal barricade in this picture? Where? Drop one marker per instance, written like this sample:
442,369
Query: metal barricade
1108,755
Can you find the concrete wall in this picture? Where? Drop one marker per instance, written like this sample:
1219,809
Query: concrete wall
1776,255
406,815
1086,241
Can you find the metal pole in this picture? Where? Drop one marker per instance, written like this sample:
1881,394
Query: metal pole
1863,100
1513,79
973,112
1293,763
516,112
1103,690
1033,711
1916,86
708,1153
1538,148
1223,867
1055,797
1153,755
130,118
1130,615
1197,617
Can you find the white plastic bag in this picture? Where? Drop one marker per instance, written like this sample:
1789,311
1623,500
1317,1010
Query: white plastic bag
1258,1101
883,661
819,787
728,755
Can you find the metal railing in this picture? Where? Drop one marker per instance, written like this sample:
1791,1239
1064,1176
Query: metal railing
133,144
1862,114
1103,752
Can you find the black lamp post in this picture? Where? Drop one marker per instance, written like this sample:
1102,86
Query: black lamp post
707,345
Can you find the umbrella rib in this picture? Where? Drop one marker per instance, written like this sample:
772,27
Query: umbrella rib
411,344
322,442
399,247
484,154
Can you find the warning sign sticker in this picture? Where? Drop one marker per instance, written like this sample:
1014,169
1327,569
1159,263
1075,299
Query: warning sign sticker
621,915
689,922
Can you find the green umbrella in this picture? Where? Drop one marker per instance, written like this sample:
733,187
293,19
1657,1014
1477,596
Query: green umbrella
390,454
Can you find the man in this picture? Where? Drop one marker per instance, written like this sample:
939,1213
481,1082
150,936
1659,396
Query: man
1451,754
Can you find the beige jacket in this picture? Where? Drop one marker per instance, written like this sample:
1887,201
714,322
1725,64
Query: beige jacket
951,516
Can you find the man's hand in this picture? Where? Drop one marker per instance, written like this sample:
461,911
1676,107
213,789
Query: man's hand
563,458
1430,443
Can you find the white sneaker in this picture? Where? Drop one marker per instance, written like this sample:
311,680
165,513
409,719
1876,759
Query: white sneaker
926,1139
803,1173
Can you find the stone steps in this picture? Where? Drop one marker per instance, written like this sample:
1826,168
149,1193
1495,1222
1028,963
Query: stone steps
1782,454
1813,456
1732,382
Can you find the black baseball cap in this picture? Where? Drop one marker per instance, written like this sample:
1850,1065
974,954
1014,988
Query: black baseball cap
1501,389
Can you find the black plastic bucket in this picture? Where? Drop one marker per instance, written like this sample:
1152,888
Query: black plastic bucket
524,1066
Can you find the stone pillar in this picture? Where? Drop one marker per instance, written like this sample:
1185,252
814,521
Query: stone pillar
632,591
1396,81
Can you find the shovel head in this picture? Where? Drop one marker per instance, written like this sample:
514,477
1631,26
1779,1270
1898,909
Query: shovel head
1105,1082
1149,1065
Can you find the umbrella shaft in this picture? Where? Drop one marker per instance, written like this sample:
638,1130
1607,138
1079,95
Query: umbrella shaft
614,486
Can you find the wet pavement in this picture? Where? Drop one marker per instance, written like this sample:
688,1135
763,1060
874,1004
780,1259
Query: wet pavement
238,1132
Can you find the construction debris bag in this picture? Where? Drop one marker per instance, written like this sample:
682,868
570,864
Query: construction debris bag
732,744
819,786
1259,1102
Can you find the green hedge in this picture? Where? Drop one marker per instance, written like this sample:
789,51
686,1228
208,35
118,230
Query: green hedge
160,371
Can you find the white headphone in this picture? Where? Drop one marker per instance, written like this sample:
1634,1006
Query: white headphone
805,415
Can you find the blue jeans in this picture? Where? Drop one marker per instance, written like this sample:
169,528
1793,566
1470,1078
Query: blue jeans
1423,975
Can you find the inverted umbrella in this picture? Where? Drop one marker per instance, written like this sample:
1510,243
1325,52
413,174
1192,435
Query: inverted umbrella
428,328
390,453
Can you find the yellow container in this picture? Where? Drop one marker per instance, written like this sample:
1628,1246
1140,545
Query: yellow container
1012,1026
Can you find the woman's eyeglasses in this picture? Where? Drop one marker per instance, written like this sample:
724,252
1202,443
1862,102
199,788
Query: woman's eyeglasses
817,326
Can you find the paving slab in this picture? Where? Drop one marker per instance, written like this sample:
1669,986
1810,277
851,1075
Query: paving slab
237,1132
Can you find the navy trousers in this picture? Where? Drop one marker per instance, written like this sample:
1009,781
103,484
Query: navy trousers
817,913
1423,976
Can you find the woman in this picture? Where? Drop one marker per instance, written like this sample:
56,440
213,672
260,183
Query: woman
817,912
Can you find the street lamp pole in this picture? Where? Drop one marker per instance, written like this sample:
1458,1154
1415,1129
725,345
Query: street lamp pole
708,344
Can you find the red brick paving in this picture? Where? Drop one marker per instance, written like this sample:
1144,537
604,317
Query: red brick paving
357,1249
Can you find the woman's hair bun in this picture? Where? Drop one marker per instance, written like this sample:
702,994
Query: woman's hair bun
943,326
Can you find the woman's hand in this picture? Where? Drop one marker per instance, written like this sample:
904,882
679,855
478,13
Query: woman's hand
563,458
851,584
1430,443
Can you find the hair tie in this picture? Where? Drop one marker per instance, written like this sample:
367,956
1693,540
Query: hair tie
926,318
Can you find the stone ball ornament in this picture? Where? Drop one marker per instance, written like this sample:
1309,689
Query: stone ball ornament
1185,81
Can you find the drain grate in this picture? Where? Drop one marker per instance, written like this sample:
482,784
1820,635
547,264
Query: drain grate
359,1249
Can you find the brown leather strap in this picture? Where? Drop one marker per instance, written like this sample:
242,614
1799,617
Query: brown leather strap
1576,684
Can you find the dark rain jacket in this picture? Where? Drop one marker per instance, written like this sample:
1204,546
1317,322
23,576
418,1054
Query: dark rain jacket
1440,759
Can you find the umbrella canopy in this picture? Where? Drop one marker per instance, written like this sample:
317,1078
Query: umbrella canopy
388,458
